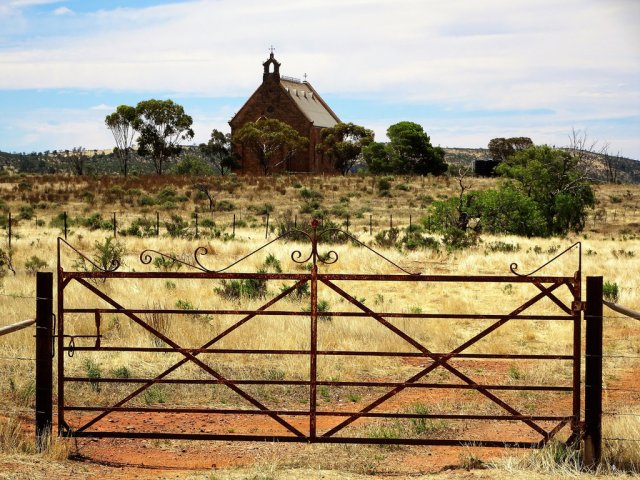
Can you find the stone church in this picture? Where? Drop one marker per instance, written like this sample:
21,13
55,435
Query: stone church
291,101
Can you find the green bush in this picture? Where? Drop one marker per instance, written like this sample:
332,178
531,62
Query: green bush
34,264
177,227
610,291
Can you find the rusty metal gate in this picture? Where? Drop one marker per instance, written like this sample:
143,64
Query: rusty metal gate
457,396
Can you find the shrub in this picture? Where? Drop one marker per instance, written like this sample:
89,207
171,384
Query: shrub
34,264
224,206
309,194
177,227
610,291
26,212
93,372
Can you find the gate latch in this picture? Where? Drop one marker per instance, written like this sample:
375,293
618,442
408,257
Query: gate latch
578,306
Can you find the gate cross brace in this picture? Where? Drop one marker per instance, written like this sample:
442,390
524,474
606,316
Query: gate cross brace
191,357
442,361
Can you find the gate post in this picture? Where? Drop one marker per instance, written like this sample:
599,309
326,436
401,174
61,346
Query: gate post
44,358
593,374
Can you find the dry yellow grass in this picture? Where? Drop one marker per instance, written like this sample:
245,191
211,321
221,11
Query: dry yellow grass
611,248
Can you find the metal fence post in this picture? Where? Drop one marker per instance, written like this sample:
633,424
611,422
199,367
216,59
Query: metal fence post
9,225
64,218
114,225
44,358
593,373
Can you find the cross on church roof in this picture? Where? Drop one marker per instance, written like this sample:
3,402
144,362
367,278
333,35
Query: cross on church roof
272,49
305,77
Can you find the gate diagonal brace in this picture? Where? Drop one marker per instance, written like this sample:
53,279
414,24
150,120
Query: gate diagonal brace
442,361
555,299
190,357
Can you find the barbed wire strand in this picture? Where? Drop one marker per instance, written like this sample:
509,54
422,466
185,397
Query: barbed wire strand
18,358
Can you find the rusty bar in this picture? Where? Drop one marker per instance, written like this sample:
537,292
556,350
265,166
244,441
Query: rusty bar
44,358
452,356
300,413
313,354
327,276
97,336
576,426
593,374
449,386
334,440
157,224
234,225
294,313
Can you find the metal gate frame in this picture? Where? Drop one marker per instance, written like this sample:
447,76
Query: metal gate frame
546,284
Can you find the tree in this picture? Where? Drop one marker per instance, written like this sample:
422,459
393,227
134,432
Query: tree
122,125
78,159
502,148
274,142
555,181
218,151
161,125
343,144
409,151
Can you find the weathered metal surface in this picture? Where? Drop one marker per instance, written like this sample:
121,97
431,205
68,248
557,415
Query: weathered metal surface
547,287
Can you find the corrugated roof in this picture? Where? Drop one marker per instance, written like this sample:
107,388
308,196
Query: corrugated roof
309,103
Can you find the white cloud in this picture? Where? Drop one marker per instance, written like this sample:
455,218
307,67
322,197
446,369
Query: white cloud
63,11
579,58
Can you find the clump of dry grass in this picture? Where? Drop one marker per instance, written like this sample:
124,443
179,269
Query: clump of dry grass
15,440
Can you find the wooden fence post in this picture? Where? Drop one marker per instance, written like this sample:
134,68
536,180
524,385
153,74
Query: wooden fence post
593,374
9,225
64,218
44,358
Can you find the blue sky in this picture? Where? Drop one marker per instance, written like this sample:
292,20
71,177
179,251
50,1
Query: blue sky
467,71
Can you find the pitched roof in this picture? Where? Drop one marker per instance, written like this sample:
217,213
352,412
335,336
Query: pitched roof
310,103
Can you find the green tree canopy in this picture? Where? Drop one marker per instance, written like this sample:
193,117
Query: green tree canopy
218,151
343,144
409,151
162,124
502,148
554,180
122,126
274,142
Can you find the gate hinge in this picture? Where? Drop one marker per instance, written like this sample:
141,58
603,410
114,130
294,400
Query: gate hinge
578,306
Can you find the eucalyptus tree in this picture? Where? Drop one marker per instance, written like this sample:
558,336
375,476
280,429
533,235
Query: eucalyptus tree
122,125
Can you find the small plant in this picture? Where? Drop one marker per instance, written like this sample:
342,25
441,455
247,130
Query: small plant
610,291
515,373
121,372
184,305
93,372
34,264
323,306
155,394
502,247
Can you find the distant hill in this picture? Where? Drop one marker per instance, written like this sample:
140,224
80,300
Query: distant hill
627,169
104,162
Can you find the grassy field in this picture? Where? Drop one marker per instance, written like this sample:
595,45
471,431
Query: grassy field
611,248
